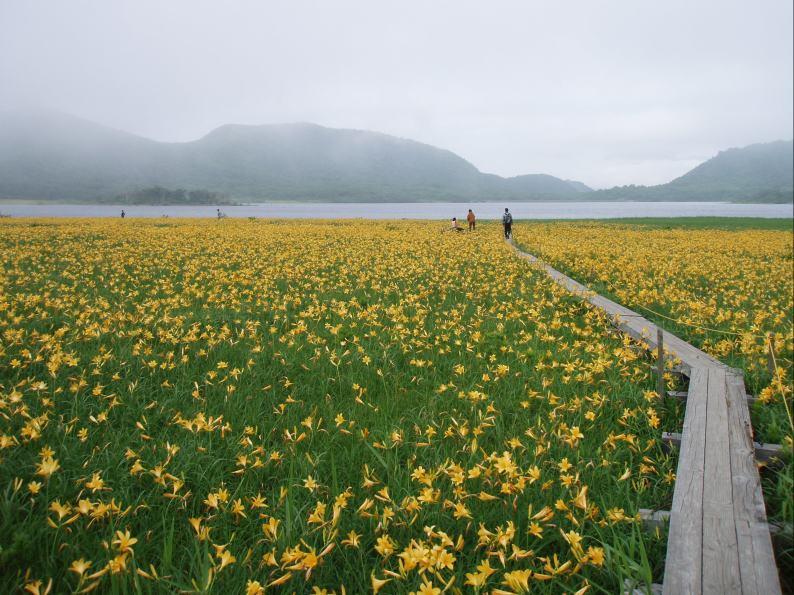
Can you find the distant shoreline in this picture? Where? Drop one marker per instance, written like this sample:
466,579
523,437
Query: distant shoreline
438,211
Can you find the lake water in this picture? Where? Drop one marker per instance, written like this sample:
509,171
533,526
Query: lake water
435,210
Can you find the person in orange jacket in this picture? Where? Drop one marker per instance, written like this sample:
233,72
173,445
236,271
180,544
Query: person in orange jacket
471,219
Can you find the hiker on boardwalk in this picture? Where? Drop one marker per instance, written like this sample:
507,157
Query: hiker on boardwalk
507,221
471,219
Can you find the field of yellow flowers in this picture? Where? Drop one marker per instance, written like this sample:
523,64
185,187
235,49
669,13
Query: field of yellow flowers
726,287
248,406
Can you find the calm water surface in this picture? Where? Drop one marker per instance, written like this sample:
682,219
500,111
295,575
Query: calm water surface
436,210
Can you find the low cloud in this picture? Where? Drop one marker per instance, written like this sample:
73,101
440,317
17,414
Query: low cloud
610,93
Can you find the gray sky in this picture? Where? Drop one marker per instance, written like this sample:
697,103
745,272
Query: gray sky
603,91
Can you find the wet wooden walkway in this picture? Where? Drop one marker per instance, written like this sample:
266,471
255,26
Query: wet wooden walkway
719,539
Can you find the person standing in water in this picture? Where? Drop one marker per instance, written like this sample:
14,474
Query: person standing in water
471,219
507,221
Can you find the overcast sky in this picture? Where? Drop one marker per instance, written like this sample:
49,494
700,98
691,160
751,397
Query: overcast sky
607,92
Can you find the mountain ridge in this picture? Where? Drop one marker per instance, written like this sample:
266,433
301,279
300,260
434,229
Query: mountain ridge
54,156
760,172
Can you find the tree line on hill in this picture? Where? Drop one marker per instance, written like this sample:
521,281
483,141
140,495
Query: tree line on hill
157,195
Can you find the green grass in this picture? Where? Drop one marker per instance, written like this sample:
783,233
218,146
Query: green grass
162,321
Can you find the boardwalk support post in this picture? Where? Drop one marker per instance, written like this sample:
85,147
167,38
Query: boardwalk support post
660,387
654,519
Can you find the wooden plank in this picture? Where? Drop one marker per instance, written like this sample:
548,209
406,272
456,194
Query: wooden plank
632,322
719,540
764,453
671,439
629,321
683,565
682,395
776,527
642,329
756,556
631,587
720,549
654,519
612,307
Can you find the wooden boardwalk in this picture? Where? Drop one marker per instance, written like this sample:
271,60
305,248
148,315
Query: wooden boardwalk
719,539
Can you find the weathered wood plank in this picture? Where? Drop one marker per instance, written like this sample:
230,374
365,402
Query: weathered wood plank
682,395
653,519
671,439
632,322
719,539
641,329
756,556
720,549
764,453
683,565
631,588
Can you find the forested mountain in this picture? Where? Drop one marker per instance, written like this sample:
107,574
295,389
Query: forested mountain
757,173
46,155
53,156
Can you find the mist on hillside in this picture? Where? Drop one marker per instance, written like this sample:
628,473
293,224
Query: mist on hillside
607,94
51,156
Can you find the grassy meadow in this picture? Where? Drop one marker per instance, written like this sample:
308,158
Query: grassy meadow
314,407
725,285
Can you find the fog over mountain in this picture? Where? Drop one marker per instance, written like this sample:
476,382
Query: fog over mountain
609,93
763,172
52,156
47,155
